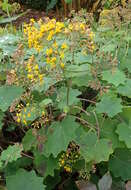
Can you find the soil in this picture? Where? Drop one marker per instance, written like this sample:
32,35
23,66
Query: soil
36,14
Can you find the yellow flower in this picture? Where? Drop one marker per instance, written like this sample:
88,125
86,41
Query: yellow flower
67,169
42,29
62,65
53,59
24,121
93,47
49,38
32,20
82,26
18,120
29,70
70,27
57,30
49,51
36,67
43,113
41,77
30,76
91,35
28,115
64,46
61,54
55,45
62,162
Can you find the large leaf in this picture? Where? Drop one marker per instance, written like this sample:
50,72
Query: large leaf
125,90
51,164
93,149
109,105
45,165
29,140
62,133
117,77
67,98
12,167
48,82
24,180
77,70
8,43
126,113
81,80
120,164
124,132
8,94
12,153
108,131
51,182
45,102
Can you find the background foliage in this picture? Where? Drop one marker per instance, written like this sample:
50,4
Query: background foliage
65,102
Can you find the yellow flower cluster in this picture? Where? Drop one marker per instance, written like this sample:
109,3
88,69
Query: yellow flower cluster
69,158
33,71
63,163
48,31
25,114
43,30
53,54
48,36
21,117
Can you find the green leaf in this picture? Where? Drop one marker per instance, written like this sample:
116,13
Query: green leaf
126,113
51,164
24,180
116,78
109,105
8,94
93,149
68,1
77,70
12,167
8,43
107,130
12,153
51,4
72,97
124,132
48,82
11,19
120,164
29,140
45,102
125,90
45,165
51,182
1,119
109,47
34,112
62,133
81,80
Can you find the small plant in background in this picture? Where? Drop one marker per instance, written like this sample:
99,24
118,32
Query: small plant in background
65,104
